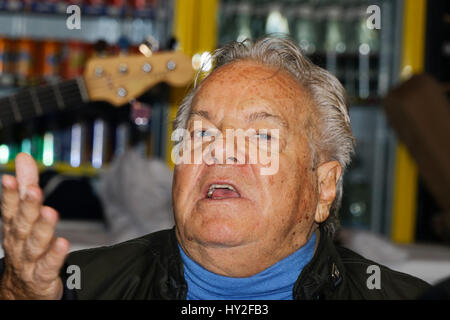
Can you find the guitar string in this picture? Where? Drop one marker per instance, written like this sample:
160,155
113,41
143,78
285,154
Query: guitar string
46,97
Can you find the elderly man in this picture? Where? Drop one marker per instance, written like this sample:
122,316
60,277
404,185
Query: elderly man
241,233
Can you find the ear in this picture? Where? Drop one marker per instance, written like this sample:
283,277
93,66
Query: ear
328,175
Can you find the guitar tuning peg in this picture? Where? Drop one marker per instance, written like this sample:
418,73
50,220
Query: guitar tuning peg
100,48
152,43
124,44
145,50
172,44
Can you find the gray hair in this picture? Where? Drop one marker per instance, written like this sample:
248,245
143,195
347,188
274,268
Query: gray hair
332,138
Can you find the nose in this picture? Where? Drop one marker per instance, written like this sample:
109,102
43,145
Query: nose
224,151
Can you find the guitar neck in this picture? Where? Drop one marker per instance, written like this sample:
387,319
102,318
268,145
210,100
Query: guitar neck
38,101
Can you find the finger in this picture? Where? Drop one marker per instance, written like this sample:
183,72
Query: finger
10,198
41,235
26,172
47,268
29,210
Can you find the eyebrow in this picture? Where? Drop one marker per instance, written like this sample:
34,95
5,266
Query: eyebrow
262,115
265,115
201,113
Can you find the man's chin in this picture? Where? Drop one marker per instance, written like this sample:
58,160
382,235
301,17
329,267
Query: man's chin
222,224
219,234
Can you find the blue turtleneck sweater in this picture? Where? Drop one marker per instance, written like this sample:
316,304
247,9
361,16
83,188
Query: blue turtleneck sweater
274,283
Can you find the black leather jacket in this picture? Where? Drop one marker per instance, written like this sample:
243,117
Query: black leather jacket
150,267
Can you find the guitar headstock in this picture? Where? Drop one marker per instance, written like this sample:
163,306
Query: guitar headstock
119,79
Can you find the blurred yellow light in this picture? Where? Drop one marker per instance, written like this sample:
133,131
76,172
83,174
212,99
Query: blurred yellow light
206,63
196,61
202,61
407,72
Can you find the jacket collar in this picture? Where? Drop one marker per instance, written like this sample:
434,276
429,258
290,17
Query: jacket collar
323,274
176,284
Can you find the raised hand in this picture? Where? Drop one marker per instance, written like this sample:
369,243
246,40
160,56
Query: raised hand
33,255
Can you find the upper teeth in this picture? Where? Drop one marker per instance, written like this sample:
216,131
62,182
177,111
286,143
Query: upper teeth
219,186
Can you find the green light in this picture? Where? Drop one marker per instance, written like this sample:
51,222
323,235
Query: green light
26,146
47,156
4,154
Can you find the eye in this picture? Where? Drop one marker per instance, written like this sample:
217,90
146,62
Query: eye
202,133
264,136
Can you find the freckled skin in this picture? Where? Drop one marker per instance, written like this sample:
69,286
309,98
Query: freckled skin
275,215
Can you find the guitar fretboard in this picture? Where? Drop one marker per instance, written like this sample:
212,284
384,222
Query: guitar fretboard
37,101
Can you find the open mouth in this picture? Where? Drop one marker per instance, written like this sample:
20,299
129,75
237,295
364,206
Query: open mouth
222,191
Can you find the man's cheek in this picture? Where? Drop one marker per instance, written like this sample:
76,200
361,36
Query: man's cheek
180,185
183,174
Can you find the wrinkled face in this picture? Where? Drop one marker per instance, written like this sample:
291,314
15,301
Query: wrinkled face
265,211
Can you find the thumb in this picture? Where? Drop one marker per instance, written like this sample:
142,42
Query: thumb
26,172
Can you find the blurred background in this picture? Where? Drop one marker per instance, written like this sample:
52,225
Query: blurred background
105,166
